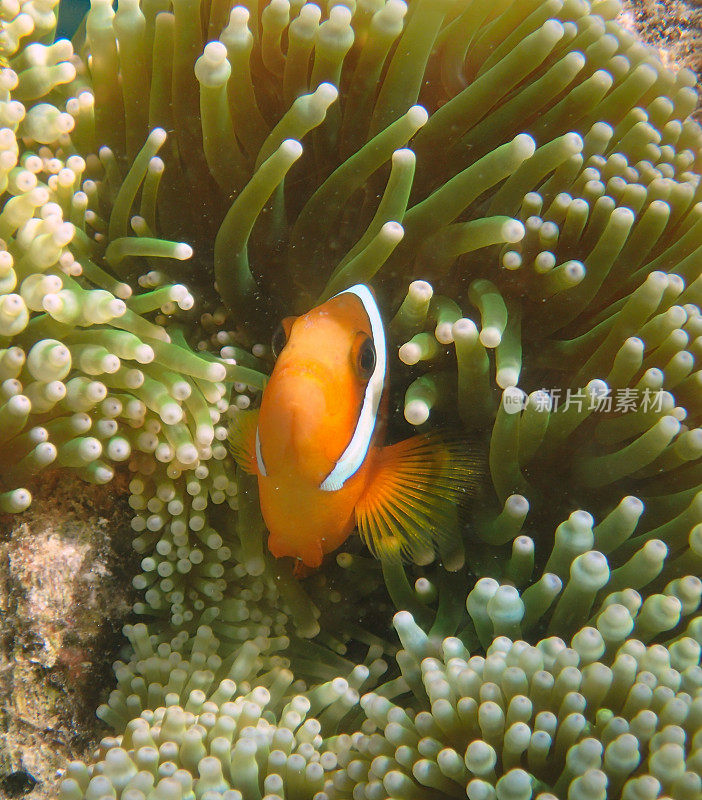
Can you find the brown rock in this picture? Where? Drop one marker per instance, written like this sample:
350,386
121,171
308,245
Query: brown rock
65,592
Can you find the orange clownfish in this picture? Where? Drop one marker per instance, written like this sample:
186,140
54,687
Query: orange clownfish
316,443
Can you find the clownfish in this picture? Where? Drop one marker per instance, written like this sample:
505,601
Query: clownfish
316,444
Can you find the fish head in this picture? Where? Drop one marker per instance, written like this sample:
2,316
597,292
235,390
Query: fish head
326,382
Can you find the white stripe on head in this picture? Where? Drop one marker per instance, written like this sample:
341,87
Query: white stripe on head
355,454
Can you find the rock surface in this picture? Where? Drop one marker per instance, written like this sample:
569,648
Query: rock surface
65,592
674,26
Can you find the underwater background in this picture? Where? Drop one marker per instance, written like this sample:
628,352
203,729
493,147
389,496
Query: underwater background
70,14
519,183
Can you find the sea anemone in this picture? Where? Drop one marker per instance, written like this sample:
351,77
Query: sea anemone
603,717
519,182
545,720
227,737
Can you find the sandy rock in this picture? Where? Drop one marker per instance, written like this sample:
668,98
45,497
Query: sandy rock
674,26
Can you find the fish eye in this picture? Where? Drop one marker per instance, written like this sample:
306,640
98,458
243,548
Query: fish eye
365,360
279,340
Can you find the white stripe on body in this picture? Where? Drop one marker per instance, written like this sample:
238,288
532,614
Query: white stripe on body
259,457
355,454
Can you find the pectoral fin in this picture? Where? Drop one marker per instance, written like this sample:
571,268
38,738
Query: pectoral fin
413,493
242,440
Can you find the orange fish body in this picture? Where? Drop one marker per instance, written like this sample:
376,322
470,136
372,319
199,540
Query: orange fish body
315,443
308,409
